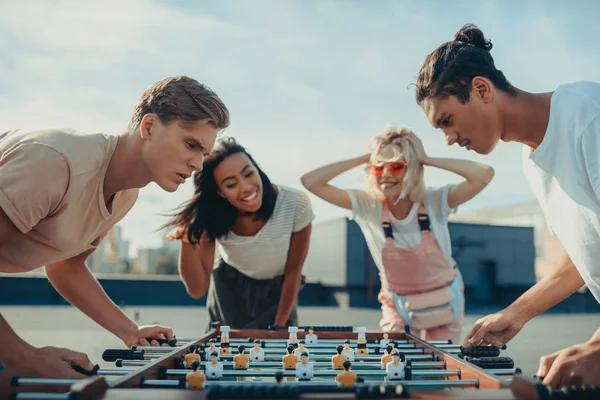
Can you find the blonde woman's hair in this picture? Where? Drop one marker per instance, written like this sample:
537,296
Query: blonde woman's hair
413,185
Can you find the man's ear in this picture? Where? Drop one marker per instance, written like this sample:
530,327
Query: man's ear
147,125
483,88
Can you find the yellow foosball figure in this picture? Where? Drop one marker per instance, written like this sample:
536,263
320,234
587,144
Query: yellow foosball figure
337,361
346,378
191,357
196,378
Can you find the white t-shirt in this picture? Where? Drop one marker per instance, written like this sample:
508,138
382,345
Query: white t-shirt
564,174
368,214
264,255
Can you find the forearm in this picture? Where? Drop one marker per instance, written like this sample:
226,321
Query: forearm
289,292
471,171
77,285
563,281
322,175
193,273
11,342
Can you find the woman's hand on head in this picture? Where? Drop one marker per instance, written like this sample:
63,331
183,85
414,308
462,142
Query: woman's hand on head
418,146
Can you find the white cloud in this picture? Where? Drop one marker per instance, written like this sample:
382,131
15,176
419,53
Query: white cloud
307,83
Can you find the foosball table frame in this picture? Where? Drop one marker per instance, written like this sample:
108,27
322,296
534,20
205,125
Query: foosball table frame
487,385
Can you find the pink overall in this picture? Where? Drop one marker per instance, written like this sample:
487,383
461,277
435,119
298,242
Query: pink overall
416,271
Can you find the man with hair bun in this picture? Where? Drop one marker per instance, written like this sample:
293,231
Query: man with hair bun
463,93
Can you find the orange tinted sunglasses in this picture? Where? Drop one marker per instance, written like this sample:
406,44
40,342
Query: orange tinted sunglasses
395,168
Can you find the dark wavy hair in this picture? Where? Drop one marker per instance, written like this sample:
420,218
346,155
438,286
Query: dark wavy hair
450,69
208,212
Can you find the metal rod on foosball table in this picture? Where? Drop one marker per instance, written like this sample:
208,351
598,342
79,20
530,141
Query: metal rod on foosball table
325,358
131,363
327,365
319,373
420,384
40,396
18,381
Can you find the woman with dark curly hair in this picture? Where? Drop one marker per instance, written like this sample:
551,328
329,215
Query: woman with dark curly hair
260,232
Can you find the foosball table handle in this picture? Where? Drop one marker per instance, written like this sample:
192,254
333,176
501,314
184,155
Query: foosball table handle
88,372
569,392
481,351
111,355
493,362
170,343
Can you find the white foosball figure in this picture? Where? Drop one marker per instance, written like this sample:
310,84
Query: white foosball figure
395,368
348,351
257,353
225,349
212,347
293,339
214,369
311,337
361,346
301,349
384,342
304,369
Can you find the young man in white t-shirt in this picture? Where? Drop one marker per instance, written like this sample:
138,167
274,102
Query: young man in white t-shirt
61,191
462,92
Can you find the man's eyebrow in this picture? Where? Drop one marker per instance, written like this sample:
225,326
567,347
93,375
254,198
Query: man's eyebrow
439,120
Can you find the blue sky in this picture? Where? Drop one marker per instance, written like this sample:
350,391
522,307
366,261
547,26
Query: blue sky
307,82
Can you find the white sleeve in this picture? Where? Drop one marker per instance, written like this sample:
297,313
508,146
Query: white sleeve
364,206
590,148
303,213
438,201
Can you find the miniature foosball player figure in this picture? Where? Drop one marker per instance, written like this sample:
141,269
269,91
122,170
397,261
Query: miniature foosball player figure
346,378
196,378
395,368
348,351
311,337
304,369
225,347
212,347
290,360
361,346
241,359
337,361
293,339
257,353
278,377
214,368
301,349
383,343
191,356
387,357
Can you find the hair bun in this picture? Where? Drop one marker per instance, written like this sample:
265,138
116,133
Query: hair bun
471,34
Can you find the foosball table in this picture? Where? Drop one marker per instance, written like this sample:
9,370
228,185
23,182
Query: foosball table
337,362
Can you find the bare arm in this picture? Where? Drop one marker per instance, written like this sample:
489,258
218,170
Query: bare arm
501,327
293,273
317,181
74,281
196,265
560,283
477,177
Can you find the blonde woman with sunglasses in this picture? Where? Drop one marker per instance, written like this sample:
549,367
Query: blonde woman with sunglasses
405,225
